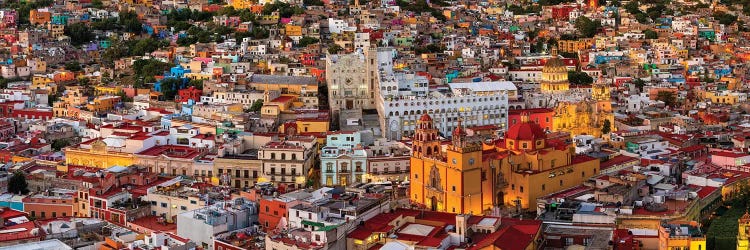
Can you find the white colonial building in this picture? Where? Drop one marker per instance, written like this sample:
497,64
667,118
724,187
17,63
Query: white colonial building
405,96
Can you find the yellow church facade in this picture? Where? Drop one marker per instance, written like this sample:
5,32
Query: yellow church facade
470,176
577,111
97,156
743,232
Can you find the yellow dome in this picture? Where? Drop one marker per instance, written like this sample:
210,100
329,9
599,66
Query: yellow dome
554,65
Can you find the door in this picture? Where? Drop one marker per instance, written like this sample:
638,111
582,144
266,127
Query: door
349,104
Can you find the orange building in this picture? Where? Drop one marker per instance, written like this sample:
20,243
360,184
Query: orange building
470,176
43,207
271,212
63,76
39,17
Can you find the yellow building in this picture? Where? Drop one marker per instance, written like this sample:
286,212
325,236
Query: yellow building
574,46
470,176
554,75
43,82
723,97
682,235
107,90
242,4
312,125
97,156
743,232
103,103
293,30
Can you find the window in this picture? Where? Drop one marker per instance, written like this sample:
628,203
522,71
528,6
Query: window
193,202
583,174
183,208
512,186
568,241
561,182
416,176
543,187
453,188
520,188
163,204
153,203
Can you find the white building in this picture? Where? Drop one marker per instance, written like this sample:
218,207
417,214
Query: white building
404,97
338,26
203,224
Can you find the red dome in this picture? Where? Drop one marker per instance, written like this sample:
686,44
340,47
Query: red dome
525,131
425,118
458,131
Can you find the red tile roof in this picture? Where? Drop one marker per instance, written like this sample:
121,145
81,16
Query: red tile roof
617,160
171,151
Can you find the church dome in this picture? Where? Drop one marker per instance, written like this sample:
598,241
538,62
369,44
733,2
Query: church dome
555,65
525,131
425,118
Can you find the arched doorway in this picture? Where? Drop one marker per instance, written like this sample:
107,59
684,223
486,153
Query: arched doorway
500,198
433,203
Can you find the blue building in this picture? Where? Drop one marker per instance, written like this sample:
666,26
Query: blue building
343,161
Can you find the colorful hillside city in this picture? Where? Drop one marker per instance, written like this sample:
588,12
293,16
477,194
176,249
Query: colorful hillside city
375,124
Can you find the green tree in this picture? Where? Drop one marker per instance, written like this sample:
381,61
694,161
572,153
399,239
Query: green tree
144,46
59,144
579,78
306,40
724,18
198,84
130,23
124,97
79,33
667,97
587,27
334,49
650,34
641,17
105,24
97,4
169,88
632,7
606,127
73,66
256,105
17,183
260,33
639,84
313,2
285,10
149,67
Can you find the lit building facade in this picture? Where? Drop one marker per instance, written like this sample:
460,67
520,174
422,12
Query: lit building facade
743,232
470,176
97,155
577,111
